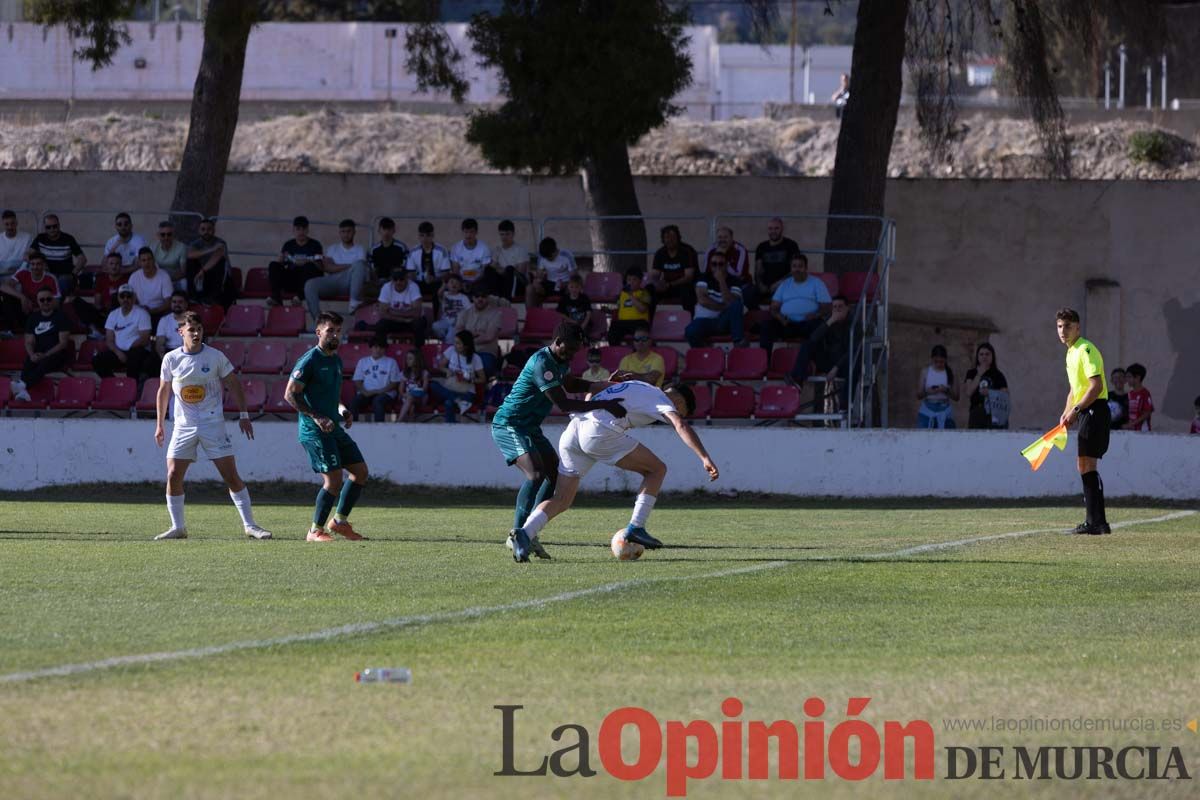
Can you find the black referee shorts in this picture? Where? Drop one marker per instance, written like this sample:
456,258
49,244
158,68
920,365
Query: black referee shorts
1095,424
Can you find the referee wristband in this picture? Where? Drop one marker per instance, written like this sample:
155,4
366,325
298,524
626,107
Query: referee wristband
244,415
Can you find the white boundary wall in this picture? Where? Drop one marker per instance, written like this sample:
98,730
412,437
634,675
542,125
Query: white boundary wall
37,452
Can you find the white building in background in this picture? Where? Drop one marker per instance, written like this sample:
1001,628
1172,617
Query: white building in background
357,61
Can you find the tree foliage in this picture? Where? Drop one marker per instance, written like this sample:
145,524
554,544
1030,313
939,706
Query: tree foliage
95,22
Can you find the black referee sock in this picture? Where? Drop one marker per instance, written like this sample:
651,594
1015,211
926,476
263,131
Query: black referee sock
1093,497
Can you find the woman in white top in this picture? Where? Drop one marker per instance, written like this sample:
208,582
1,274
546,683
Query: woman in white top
464,372
936,389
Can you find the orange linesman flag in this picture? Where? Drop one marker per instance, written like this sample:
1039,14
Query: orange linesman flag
1036,453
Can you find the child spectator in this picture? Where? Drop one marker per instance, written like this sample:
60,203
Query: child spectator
1118,401
575,305
414,384
1141,406
453,301
935,389
633,308
554,268
594,371
375,381
1196,417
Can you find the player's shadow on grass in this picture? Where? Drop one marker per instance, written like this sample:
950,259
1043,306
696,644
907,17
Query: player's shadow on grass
858,560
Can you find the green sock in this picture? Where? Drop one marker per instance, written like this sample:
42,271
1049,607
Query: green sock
324,505
349,496
525,504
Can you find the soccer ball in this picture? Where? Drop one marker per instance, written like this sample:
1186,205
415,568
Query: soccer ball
625,550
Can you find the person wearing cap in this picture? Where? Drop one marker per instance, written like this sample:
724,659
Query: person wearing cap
127,334
207,264
299,261
345,268
482,318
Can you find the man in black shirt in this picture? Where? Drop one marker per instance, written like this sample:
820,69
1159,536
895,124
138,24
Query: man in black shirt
299,260
64,257
773,259
828,348
207,265
673,274
390,254
47,340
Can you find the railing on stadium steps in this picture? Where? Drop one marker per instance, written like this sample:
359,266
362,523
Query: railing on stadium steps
143,220
410,237
869,351
277,225
680,220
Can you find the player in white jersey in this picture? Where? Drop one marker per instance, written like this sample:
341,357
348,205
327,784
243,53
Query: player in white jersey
195,374
599,436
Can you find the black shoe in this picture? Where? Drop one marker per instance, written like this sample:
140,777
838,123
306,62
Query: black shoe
1104,527
1083,527
1092,529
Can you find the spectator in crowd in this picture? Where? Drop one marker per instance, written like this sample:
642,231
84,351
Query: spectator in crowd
151,285
987,390
936,389
554,268
64,257
390,254
207,265
827,349
401,312
21,291
737,264
104,300
414,384
375,380
167,336
797,307
470,257
773,259
125,242
510,264
299,262
345,268
14,245
575,305
127,331
47,343
673,274
429,261
633,308
595,371
464,372
1196,415
643,364
1118,400
841,96
482,319
454,301
171,255
719,307
1141,405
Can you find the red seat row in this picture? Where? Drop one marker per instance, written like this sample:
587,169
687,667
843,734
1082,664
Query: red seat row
73,394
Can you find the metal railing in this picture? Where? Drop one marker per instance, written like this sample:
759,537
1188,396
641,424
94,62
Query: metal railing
145,223
410,239
651,242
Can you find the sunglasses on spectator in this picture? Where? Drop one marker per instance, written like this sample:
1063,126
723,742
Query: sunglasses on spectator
165,234
45,299
641,338
52,227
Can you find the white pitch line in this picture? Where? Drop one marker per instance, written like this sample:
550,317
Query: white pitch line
476,612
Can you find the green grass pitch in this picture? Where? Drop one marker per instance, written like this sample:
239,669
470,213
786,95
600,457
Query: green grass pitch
843,603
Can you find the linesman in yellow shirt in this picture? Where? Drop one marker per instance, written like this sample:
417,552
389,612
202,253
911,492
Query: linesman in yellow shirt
1087,401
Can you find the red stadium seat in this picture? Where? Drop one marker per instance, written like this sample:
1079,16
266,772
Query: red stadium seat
603,287
351,354
296,351
40,395
610,357
670,357
782,361
778,402
212,317
579,363
597,329
87,351
733,402
746,364
234,351
74,394
275,403
703,364
256,396
115,394
669,325
855,284
235,279
508,322
5,390
703,401
258,283
830,279
149,399
431,353
348,392
369,314
398,350
540,324
242,321
265,357
12,353
284,321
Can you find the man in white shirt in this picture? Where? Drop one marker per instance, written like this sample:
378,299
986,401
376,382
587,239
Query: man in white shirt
13,244
554,268
125,243
375,380
166,335
345,269
126,332
510,264
151,285
470,257
195,374
599,436
171,254
400,309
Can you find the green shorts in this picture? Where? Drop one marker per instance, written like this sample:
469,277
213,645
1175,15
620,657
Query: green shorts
331,451
516,442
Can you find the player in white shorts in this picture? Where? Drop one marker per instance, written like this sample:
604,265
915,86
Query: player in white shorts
598,436
195,374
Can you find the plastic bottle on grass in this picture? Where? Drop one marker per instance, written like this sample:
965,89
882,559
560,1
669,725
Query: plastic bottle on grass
384,675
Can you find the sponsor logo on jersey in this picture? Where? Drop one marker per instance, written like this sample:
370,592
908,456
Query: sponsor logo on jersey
548,375
192,394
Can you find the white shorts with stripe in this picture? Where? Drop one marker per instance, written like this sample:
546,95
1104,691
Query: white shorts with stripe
586,442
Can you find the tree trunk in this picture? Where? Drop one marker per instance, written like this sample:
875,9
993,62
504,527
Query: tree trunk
608,189
868,126
214,111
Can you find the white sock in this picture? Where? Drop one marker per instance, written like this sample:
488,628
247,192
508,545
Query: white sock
641,510
241,500
175,509
535,522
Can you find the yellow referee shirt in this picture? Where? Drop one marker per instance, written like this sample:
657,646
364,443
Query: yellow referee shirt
1084,362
